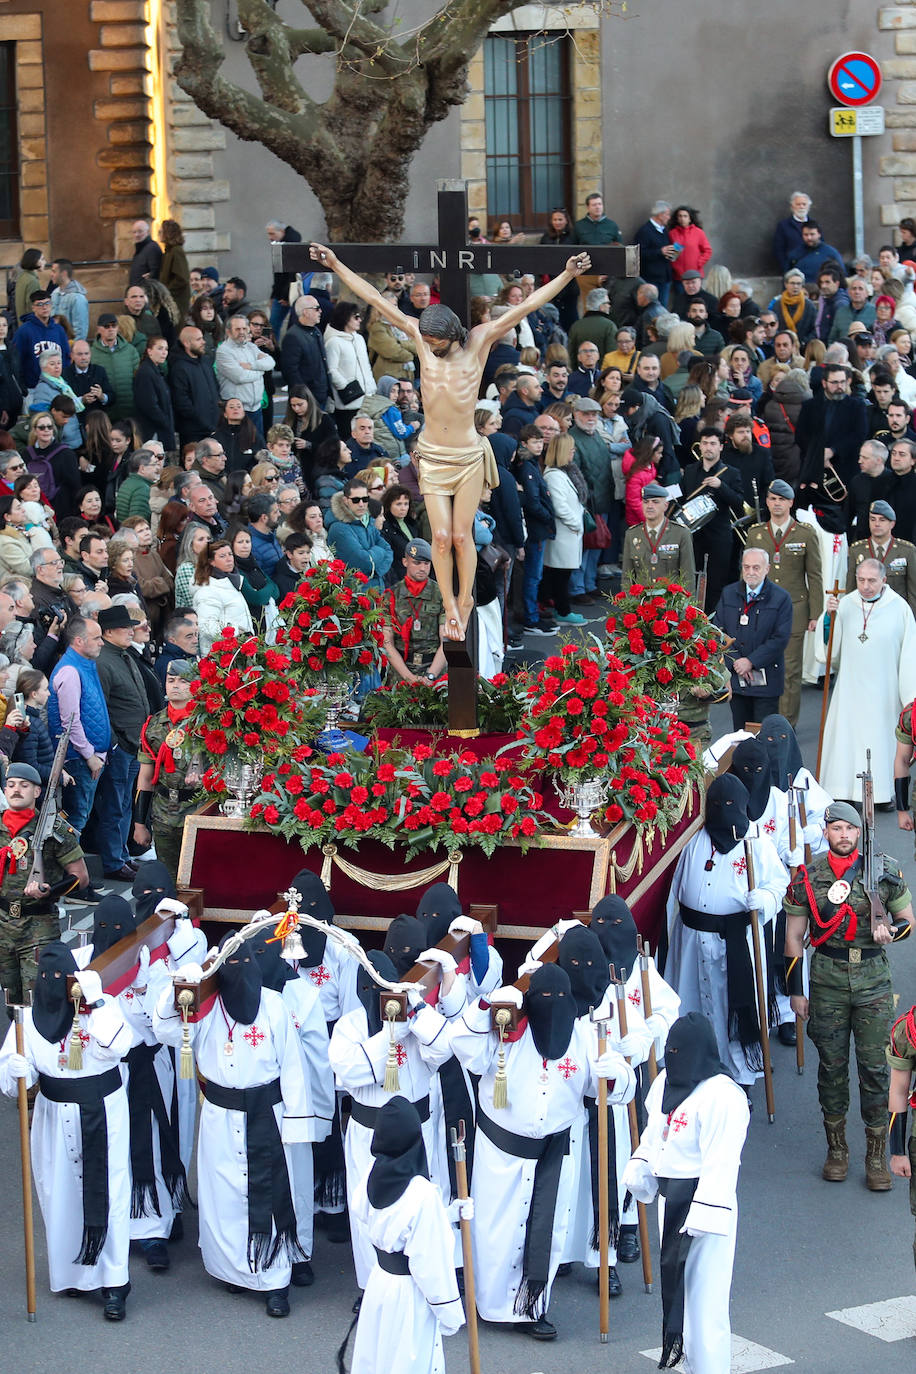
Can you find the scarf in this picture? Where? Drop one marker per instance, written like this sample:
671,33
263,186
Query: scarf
65,389
10,854
145,1105
235,577
791,313
164,756
577,478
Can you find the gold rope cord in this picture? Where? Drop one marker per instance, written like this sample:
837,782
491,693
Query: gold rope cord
389,883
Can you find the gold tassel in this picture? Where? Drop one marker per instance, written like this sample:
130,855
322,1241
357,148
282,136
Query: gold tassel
500,1082
75,1058
186,1060
392,1083
454,859
329,850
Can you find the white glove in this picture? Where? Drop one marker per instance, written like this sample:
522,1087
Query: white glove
465,925
562,927
756,900
440,957
630,1046
416,997
462,1209
90,984
795,857
657,1026
812,835
184,927
19,1066
530,966
506,994
611,1065
639,1180
171,907
189,973
143,962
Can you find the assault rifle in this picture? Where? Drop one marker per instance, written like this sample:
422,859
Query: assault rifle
47,817
879,916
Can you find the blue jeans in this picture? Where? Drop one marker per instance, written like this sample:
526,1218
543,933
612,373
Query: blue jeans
532,569
114,804
278,313
585,577
663,290
79,796
257,419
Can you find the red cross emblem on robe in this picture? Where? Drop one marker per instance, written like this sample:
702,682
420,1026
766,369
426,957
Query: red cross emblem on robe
400,1054
739,865
770,826
254,1036
635,997
567,1068
679,1122
319,975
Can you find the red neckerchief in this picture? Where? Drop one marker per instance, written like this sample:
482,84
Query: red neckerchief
164,757
908,1021
14,821
403,628
839,864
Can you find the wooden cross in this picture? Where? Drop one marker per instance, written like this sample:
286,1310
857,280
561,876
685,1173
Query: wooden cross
454,260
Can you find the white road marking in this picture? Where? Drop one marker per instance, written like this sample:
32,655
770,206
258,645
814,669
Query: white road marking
747,1357
891,1320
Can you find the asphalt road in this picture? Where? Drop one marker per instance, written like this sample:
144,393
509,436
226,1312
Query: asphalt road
805,1249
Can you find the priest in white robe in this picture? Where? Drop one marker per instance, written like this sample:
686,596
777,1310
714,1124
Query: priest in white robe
874,654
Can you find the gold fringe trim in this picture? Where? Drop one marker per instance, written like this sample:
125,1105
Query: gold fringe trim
383,882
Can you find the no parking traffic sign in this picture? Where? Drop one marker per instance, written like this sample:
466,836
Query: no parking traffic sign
854,78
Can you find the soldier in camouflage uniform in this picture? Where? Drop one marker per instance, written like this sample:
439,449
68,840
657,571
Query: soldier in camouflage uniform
795,565
897,555
28,917
169,769
901,1059
658,549
903,762
850,984
413,637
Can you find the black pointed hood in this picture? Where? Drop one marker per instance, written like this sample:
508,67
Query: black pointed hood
405,939
551,1011
240,985
726,812
112,920
779,739
751,765
612,922
691,1056
275,971
399,1150
152,884
583,959
438,907
316,901
368,990
52,1010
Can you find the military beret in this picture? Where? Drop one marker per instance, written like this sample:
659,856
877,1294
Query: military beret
655,489
781,488
842,811
182,667
26,772
419,549
883,508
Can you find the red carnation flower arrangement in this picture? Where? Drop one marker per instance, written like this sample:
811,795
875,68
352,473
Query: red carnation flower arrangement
332,625
668,645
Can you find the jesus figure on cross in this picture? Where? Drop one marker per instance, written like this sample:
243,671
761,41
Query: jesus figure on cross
455,460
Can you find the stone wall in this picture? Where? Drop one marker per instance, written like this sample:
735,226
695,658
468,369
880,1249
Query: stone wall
897,169
25,31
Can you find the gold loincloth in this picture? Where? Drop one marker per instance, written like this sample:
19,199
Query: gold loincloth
444,471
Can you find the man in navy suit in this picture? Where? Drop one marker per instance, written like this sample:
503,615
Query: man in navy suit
656,251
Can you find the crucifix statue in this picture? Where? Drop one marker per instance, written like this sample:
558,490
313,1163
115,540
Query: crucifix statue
455,461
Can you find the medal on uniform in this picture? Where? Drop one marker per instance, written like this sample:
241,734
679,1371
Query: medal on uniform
62,1056
544,1075
228,1047
654,559
838,892
743,620
776,559
174,739
19,847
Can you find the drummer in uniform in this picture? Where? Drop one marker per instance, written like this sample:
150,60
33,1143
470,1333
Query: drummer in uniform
169,776
658,550
897,555
28,910
413,631
795,565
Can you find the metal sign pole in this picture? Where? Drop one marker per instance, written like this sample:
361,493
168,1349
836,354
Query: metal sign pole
858,206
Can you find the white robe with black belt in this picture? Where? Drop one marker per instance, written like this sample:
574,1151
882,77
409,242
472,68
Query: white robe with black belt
57,1156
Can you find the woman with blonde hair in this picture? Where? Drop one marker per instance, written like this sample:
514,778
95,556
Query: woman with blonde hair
562,554
217,594
815,353
264,476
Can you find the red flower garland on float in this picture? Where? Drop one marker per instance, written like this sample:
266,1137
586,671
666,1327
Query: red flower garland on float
663,639
332,623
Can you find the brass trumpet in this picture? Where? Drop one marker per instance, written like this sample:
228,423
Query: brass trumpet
832,484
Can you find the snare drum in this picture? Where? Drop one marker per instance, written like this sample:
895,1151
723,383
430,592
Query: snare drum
696,512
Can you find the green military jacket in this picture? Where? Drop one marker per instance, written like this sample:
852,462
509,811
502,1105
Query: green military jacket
673,550
173,797
795,565
891,885
415,623
60,849
901,1052
899,565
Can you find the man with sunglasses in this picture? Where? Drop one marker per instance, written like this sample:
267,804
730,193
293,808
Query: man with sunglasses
354,535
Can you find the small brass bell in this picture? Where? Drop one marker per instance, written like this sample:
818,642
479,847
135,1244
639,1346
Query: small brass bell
293,948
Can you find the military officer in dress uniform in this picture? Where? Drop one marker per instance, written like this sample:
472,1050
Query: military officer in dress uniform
169,776
795,565
897,555
658,550
850,983
413,634
28,919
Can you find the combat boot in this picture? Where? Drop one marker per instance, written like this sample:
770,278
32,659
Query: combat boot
836,1165
877,1174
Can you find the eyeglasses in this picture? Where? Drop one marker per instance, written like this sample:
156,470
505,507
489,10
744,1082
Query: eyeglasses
19,467
275,478
47,427
53,563
360,500
380,487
